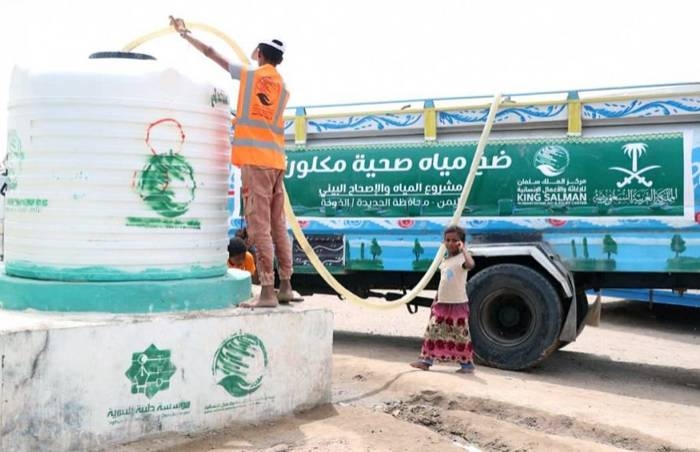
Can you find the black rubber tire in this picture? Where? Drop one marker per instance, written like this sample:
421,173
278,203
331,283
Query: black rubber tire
516,316
581,312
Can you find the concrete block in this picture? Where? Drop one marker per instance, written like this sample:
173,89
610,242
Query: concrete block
77,382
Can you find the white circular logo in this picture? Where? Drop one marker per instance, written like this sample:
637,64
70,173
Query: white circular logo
552,160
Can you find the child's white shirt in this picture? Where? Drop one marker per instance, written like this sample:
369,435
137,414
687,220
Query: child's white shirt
453,280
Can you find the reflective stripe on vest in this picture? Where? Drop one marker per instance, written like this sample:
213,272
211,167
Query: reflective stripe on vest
260,144
255,139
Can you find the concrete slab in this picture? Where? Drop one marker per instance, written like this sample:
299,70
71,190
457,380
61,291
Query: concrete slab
81,381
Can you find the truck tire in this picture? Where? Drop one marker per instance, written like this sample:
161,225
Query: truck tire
516,316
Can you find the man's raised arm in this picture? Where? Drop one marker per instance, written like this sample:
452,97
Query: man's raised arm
208,51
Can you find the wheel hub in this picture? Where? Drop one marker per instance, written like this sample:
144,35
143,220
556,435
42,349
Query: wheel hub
507,318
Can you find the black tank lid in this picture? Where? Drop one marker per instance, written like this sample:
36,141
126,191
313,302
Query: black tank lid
127,55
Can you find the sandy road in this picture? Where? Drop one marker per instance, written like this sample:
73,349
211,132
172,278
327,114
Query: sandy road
631,384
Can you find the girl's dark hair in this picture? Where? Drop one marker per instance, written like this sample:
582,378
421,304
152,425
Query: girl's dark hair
460,232
236,246
272,55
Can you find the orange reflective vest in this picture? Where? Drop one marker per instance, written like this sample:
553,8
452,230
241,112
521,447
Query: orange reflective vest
258,135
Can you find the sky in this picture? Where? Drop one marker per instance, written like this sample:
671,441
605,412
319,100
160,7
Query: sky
379,50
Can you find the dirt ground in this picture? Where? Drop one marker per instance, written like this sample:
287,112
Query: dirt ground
631,384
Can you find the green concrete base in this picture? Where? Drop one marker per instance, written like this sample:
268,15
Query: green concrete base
24,269
127,296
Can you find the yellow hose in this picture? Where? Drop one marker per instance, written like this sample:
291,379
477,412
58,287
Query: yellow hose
195,25
351,297
292,219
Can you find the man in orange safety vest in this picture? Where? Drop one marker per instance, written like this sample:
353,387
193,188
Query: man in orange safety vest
258,149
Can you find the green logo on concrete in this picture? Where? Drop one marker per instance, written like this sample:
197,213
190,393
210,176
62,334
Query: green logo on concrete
241,360
150,371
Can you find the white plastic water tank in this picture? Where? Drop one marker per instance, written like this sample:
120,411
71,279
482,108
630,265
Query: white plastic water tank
118,170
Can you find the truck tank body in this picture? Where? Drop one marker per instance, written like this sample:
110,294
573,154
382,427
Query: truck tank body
622,196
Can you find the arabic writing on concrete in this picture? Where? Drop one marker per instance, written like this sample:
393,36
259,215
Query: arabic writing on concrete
120,415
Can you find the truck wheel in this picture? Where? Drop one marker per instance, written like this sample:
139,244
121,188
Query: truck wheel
515,316
581,312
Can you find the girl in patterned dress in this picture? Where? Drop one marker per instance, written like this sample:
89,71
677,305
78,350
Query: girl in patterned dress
447,335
